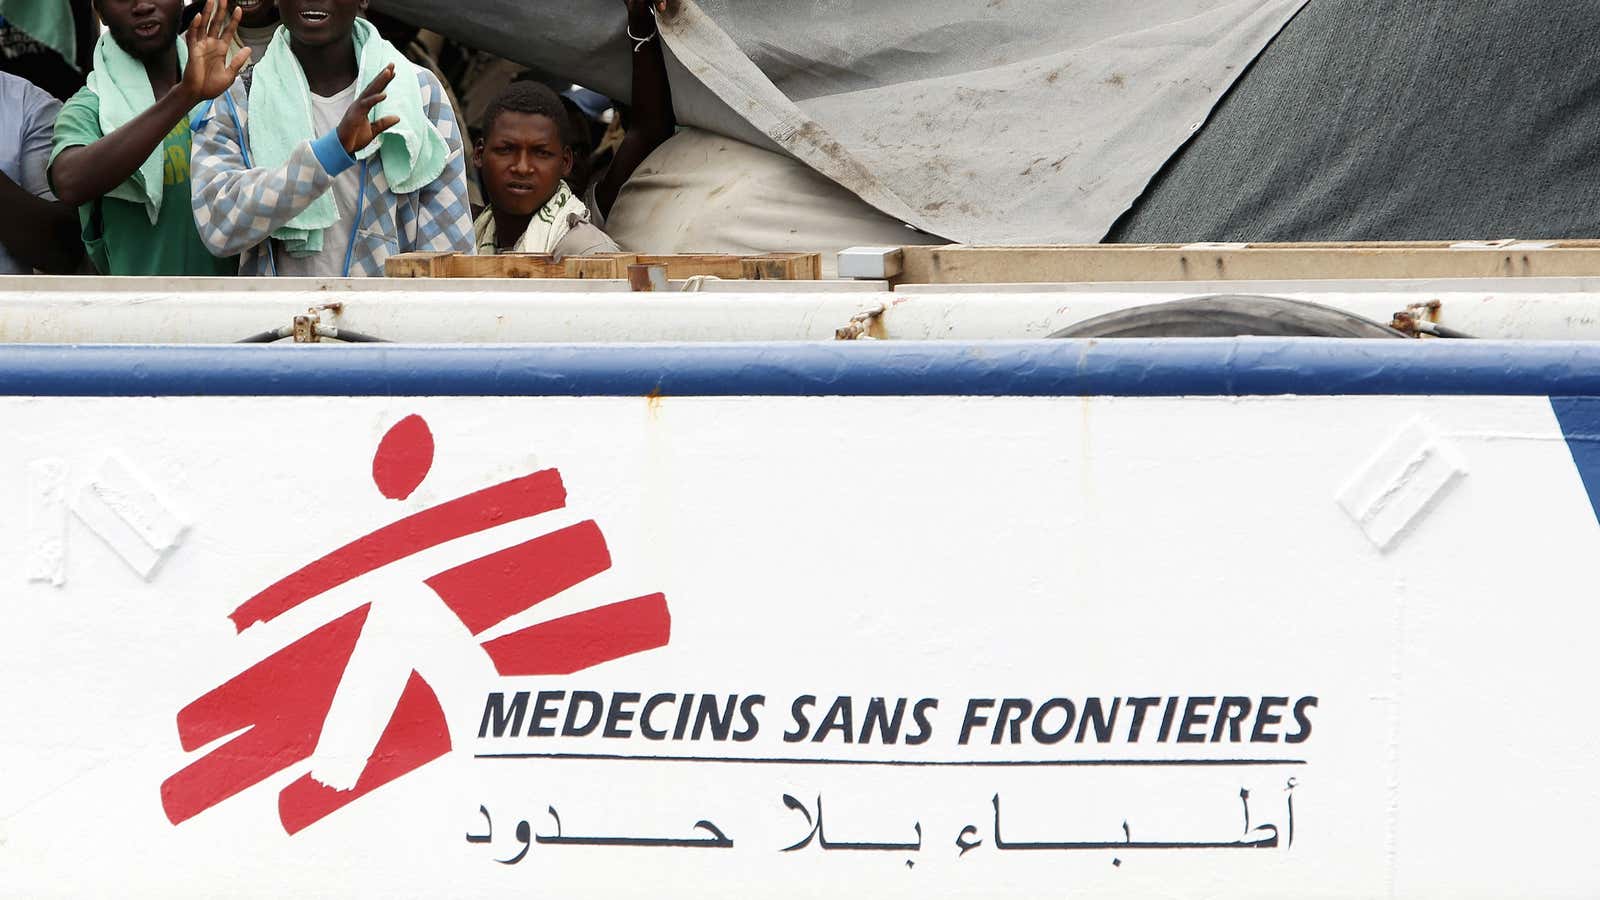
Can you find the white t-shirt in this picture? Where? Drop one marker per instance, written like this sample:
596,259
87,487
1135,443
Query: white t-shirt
325,115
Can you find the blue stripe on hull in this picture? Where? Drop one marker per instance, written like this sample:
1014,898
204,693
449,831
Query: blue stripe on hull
1135,368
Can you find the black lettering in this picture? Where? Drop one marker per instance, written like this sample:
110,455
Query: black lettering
877,718
973,718
1013,712
1231,713
685,709
1052,737
1166,720
1303,719
720,720
1266,717
747,712
645,728
542,711
924,727
597,705
1192,716
1139,705
840,718
1094,714
494,710
802,725
619,714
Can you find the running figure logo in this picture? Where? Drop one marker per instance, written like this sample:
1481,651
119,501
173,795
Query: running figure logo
280,705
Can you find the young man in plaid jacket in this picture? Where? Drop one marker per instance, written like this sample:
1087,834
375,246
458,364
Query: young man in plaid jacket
335,202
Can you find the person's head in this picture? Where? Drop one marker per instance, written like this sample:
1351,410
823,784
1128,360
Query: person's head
146,29
526,148
257,13
320,23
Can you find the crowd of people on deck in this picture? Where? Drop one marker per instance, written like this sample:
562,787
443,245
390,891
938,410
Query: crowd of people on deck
298,138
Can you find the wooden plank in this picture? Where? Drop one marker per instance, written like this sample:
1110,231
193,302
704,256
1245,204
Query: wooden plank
507,265
1391,245
772,266
783,267
687,265
1123,263
815,272
605,265
418,265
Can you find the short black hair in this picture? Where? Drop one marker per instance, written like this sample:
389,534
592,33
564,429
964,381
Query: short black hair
530,98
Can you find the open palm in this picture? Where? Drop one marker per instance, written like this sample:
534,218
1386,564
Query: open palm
210,40
356,129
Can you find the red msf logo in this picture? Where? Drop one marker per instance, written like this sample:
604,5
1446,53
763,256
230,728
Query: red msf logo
282,702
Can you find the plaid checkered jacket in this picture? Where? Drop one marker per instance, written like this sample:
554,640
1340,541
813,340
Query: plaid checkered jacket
237,207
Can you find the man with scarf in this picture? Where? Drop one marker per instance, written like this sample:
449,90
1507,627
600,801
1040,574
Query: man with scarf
121,151
525,157
332,154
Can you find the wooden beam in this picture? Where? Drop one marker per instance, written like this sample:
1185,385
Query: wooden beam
418,265
687,265
507,265
783,267
1262,262
608,265
771,266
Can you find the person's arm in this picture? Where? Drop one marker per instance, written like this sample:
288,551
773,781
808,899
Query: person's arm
38,231
584,240
443,210
237,207
84,174
653,120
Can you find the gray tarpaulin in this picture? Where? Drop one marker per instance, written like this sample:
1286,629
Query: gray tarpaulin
982,121
1399,120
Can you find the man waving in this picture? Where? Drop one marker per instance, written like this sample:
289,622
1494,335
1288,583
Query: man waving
121,153
331,155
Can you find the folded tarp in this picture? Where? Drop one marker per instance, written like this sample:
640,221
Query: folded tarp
980,121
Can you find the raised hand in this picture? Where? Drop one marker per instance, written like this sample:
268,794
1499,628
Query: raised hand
210,39
356,129
653,119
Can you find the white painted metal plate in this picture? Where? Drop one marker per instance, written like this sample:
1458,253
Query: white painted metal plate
1177,570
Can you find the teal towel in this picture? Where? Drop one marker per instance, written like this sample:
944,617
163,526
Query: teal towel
413,152
122,87
49,22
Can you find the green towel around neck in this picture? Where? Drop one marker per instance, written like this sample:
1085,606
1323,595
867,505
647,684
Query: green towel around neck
413,152
49,22
123,88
